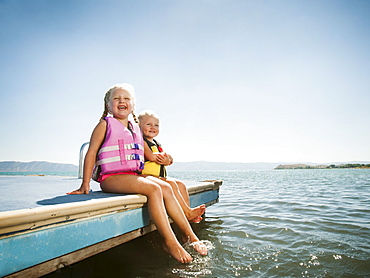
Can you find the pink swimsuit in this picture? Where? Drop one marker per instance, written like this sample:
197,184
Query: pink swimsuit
102,177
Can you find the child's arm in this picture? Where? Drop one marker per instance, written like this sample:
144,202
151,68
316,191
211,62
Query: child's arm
96,140
160,158
148,154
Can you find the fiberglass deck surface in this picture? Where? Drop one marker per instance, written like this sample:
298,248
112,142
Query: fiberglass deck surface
24,192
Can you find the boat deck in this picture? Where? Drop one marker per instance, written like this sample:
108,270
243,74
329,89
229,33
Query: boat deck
42,229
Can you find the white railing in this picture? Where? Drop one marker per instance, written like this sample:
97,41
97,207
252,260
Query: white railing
81,160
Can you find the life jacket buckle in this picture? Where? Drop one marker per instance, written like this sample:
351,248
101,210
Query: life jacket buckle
135,146
135,156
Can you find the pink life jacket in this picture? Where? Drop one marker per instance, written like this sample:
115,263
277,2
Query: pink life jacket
122,150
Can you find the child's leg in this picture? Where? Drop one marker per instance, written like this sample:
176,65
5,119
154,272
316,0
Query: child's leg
183,190
140,185
200,210
176,213
182,195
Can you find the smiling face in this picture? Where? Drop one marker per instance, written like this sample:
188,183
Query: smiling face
149,127
121,104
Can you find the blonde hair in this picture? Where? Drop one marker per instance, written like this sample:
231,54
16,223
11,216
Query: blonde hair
124,86
149,113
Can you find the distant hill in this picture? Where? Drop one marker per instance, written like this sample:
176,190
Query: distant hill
36,166
300,166
353,164
207,166
44,166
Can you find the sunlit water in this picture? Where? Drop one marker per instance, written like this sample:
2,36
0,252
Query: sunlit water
285,223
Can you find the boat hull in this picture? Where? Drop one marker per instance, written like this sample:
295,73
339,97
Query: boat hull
37,241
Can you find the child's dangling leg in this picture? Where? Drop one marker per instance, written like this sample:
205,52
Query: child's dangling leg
176,213
139,185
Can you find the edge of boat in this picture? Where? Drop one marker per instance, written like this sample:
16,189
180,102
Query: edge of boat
41,240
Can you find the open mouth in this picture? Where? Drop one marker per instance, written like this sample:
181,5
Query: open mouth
122,107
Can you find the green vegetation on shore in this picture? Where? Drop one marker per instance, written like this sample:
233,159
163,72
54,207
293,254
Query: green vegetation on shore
332,166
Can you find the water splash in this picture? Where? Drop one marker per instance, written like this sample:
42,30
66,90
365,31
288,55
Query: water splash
200,264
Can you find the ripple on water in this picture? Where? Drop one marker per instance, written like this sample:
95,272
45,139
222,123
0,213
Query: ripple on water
309,223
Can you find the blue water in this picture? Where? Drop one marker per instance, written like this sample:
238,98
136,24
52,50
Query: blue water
291,223
274,223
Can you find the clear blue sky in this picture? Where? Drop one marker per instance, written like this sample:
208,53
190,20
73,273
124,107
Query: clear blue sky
233,81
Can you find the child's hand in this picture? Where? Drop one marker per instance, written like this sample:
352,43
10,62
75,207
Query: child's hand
163,159
160,158
81,190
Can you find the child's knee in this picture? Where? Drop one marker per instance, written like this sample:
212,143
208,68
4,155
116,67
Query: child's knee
166,188
172,184
153,188
181,185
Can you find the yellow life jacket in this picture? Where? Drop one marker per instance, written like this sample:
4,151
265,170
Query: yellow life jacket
153,168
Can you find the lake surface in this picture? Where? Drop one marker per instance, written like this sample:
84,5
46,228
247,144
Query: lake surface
268,223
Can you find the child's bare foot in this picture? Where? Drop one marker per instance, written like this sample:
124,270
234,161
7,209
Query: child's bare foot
196,219
200,247
177,252
196,212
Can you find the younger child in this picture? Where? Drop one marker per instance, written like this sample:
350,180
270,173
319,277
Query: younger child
156,160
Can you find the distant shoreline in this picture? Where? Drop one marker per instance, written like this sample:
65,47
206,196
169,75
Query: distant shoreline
44,167
38,174
331,166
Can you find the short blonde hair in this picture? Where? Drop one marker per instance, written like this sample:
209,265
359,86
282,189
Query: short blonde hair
149,113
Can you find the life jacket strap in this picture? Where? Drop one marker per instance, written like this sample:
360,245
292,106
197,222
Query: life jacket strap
118,158
132,146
